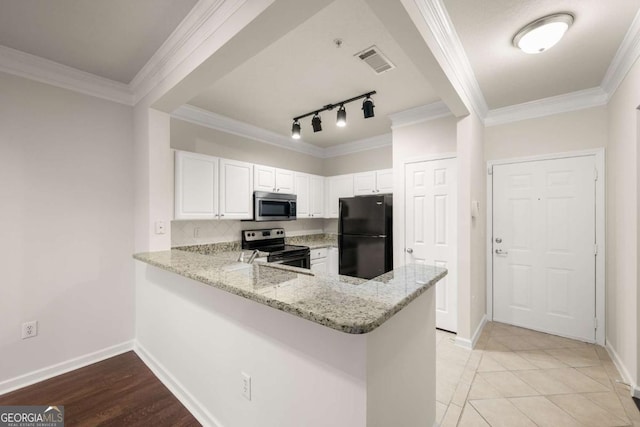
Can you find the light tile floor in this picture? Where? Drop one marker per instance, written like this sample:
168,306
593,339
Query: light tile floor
519,377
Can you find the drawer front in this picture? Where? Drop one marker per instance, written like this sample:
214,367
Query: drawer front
318,253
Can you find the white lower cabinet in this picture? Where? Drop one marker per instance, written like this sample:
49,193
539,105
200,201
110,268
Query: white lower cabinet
333,261
319,261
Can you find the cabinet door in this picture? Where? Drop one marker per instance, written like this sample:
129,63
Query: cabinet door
302,191
316,196
332,261
337,186
384,181
196,186
364,183
285,181
236,189
265,178
319,265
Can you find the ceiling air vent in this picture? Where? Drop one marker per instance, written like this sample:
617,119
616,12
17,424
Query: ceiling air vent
375,59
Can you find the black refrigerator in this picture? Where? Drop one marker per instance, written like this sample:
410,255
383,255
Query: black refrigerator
364,236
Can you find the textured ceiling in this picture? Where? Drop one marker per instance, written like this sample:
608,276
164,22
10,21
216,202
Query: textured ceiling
111,38
508,76
304,71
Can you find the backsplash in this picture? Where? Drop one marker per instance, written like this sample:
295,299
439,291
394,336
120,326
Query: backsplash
331,226
201,232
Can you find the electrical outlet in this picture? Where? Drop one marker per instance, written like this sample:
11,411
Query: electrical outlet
246,385
30,329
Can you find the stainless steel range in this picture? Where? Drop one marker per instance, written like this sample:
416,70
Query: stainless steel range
271,241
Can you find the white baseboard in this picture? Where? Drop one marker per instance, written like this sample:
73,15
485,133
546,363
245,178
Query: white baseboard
471,343
63,367
192,404
624,373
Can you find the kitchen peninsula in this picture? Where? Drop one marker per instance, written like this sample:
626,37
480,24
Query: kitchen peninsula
336,350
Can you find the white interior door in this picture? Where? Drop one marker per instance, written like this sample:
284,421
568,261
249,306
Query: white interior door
544,245
431,229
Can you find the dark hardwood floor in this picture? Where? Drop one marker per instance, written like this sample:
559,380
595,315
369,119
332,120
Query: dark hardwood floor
120,391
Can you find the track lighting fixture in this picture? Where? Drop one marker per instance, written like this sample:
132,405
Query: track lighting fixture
316,123
367,107
295,130
341,120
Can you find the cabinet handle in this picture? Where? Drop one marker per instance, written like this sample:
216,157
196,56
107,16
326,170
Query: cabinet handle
221,214
409,250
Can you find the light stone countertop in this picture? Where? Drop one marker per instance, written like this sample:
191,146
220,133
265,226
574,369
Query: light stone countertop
347,304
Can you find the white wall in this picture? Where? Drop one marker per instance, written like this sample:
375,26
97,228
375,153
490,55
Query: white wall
471,231
573,131
199,139
363,161
66,224
622,224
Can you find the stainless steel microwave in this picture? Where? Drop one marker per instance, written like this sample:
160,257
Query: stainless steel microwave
274,206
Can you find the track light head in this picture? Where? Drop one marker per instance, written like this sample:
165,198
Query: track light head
295,130
367,107
342,117
316,122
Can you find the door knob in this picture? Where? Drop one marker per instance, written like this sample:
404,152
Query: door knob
409,250
501,252
498,240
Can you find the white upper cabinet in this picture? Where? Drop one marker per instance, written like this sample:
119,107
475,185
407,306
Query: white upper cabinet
316,196
196,186
273,180
310,192
364,183
384,181
337,187
373,182
236,189
303,193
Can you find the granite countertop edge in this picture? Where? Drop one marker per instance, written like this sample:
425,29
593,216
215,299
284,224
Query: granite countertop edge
346,327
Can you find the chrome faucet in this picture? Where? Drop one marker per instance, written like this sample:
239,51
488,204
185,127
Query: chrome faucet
253,256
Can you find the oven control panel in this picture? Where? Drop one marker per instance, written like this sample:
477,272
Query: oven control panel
263,234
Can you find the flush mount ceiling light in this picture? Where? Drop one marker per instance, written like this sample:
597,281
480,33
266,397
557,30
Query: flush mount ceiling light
341,120
543,33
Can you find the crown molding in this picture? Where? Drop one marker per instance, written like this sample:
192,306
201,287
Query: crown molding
460,71
198,116
419,114
33,67
358,146
201,22
579,100
625,57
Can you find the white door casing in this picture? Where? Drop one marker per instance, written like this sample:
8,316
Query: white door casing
431,229
543,248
